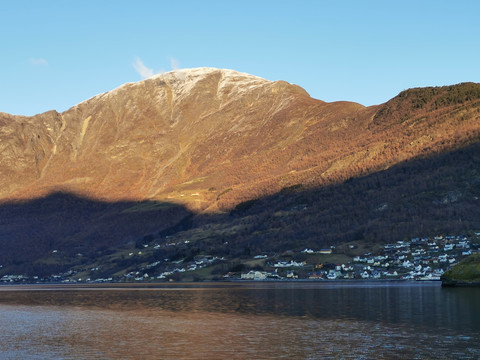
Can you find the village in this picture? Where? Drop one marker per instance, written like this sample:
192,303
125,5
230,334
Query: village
415,259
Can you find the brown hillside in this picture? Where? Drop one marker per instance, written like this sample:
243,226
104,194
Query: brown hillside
210,139
160,157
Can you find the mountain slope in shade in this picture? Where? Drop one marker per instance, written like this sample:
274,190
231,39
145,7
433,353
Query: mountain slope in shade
425,197
210,138
217,157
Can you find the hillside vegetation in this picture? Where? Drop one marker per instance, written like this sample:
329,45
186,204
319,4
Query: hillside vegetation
230,164
466,272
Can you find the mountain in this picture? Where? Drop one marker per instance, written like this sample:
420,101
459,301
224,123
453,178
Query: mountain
163,138
209,154
211,138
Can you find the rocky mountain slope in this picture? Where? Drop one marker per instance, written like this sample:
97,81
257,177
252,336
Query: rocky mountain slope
207,142
211,138
174,136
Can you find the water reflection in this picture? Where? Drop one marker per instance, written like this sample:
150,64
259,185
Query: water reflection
262,321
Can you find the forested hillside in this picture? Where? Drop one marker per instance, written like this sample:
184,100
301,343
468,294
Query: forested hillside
230,164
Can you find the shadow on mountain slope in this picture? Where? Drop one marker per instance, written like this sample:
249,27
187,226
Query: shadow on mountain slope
72,225
435,195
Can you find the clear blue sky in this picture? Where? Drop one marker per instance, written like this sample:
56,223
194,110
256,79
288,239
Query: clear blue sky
56,54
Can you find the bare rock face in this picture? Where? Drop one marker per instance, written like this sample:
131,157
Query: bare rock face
211,138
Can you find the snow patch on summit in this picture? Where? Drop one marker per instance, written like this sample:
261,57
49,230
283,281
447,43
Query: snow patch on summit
184,81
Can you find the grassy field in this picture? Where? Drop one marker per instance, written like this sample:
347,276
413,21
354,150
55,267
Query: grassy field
466,271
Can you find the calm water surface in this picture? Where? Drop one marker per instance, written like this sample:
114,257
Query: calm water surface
374,320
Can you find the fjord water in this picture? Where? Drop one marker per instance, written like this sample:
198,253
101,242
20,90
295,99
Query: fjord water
295,320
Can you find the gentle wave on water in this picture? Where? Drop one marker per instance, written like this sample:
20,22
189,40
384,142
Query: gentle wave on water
246,321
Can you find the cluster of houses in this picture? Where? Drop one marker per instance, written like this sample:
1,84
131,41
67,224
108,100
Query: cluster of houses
199,262
13,278
416,259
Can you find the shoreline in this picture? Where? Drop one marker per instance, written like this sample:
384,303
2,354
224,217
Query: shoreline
456,283
203,284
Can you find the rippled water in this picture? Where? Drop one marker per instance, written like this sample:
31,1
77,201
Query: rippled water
241,321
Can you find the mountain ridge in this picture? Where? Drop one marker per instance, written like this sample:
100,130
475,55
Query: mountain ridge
207,155
234,135
77,130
